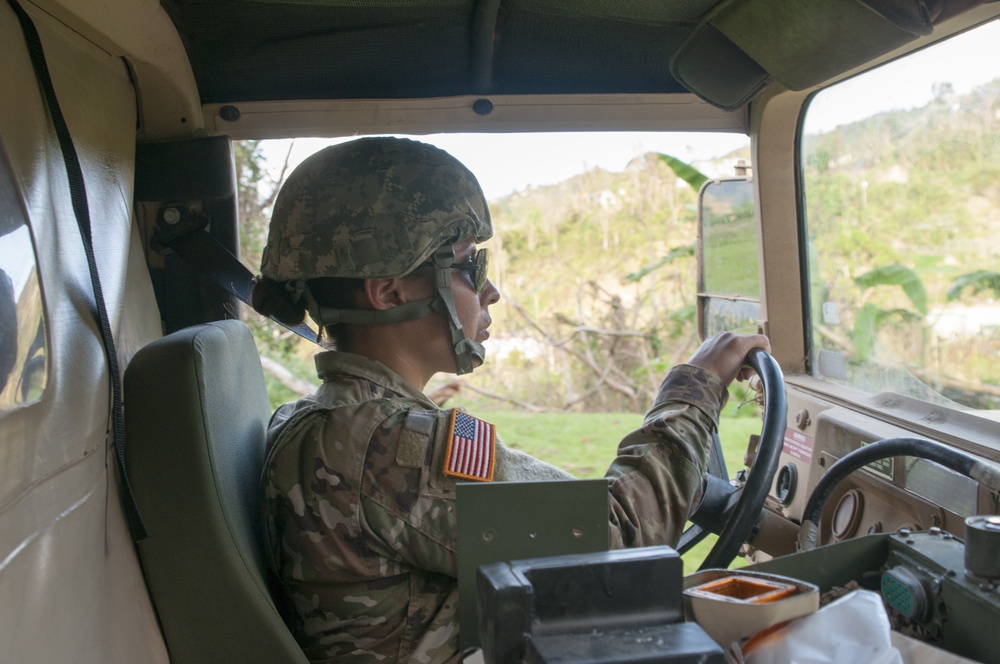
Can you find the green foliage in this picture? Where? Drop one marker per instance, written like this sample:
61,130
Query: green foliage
277,393
249,164
695,179
573,267
681,320
685,171
897,275
867,323
870,317
910,199
686,251
251,176
580,443
978,281
742,403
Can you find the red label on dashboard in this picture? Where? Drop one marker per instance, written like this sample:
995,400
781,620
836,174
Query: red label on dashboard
798,445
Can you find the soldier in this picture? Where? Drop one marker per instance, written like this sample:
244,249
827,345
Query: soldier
376,239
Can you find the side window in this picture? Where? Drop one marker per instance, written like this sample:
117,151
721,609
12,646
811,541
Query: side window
901,178
23,352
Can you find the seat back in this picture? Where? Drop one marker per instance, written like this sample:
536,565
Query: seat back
196,410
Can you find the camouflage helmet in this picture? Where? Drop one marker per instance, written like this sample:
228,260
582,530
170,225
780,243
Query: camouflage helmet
369,208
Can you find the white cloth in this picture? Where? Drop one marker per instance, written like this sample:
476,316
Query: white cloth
854,628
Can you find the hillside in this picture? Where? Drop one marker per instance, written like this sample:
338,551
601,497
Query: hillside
903,212
571,318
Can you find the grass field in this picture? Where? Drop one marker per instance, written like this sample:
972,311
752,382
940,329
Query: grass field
584,444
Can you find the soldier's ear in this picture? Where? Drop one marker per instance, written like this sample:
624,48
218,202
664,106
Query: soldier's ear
386,293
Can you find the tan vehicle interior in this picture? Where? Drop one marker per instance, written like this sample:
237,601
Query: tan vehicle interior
153,92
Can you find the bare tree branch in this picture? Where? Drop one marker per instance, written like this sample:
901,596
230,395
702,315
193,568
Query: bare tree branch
585,329
280,179
286,377
621,388
443,393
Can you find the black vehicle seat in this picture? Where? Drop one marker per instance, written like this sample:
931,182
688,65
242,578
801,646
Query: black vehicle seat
196,409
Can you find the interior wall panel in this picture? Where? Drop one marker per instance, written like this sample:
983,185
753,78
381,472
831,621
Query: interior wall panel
70,585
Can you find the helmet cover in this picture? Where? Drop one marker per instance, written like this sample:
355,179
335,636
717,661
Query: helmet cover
369,208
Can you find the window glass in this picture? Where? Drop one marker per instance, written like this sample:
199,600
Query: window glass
901,171
23,364
730,281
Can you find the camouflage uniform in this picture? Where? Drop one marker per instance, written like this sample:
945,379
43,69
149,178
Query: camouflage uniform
361,521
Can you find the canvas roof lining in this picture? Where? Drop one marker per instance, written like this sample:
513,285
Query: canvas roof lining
262,53
244,50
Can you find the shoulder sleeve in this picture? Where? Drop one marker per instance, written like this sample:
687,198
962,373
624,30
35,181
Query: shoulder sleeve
409,483
658,472
408,506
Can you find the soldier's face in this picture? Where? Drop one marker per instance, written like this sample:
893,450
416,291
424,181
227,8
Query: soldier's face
428,339
432,333
472,307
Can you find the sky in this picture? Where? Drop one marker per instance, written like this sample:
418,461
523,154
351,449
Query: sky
909,82
505,163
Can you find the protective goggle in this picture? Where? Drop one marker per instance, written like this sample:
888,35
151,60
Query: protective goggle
476,268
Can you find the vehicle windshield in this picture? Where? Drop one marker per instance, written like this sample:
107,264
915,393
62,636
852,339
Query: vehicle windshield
901,180
593,252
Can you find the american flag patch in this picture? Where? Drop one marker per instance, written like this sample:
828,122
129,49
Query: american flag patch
471,448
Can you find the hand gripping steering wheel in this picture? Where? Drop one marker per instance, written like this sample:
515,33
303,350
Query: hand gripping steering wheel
733,509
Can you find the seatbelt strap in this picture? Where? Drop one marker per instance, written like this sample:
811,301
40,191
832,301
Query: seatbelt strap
188,239
81,209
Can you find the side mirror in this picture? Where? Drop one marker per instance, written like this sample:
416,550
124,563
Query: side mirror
728,264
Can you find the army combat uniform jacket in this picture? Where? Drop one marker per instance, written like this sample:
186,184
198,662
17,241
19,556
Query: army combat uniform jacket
359,501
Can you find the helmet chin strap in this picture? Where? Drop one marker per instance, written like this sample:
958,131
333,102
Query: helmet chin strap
466,350
442,304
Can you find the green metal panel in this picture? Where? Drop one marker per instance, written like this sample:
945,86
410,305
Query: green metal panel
833,565
953,610
506,521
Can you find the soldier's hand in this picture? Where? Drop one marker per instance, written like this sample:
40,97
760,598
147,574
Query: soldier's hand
725,353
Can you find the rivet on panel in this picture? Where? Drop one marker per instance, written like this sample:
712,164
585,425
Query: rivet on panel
482,107
229,113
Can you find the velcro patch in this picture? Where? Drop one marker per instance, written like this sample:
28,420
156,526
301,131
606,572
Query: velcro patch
471,450
418,428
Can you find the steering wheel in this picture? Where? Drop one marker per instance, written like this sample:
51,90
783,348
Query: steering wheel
733,509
